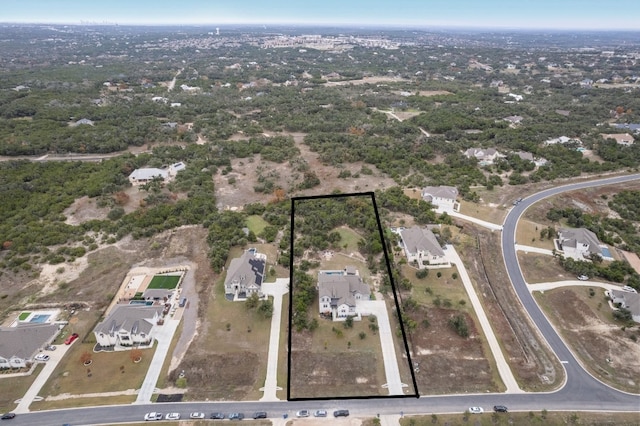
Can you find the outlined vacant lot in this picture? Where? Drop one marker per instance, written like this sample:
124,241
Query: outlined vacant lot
345,337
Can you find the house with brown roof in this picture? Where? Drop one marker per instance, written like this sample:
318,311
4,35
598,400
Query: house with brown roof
245,275
422,247
19,344
338,292
443,197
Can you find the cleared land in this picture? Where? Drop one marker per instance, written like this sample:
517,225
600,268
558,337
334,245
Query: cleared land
608,350
524,419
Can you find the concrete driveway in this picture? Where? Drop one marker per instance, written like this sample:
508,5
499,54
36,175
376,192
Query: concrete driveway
277,290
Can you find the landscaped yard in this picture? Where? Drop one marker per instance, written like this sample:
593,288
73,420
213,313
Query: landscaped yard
348,239
165,282
256,224
23,316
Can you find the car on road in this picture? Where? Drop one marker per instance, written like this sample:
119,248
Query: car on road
583,277
8,416
302,413
71,339
500,409
172,416
196,416
42,357
260,415
341,413
320,413
152,416
236,416
217,416
476,410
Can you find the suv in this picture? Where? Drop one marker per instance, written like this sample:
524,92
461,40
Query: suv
320,413
42,357
217,416
236,416
341,413
500,409
260,415
152,416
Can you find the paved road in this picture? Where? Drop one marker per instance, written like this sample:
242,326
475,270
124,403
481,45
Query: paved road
579,384
277,290
501,363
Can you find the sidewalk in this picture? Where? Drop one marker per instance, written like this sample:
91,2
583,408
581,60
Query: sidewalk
529,249
503,367
483,223
277,290
39,382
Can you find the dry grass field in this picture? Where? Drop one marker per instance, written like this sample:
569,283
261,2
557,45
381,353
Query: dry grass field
531,418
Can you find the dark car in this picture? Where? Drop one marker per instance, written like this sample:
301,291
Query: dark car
217,416
8,416
500,409
341,413
260,415
236,416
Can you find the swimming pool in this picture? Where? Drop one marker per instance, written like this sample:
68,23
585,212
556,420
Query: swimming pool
141,302
605,251
40,318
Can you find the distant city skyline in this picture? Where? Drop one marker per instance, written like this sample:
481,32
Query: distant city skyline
504,14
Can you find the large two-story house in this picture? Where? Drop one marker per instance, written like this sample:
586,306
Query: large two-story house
245,276
127,326
422,247
443,197
338,292
580,244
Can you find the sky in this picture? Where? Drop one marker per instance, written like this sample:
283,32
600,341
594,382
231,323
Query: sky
507,14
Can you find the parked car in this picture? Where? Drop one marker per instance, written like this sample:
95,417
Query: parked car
217,416
629,289
8,416
341,413
476,410
71,339
302,413
260,415
50,348
236,416
172,416
42,357
583,277
320,413
500,409
196,416
152,416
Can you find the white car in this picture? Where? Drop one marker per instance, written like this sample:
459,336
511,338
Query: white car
42,357
196,416
172,416
629,289
320,413
476,410
583,277
302,413
152,416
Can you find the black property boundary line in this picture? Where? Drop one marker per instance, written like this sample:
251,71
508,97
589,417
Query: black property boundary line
393,287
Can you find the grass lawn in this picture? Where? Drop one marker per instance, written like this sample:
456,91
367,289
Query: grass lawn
448,290
483,211
348,239
108,372
23,316
15,388
525,419
166,282
528,234
256,224
82,402
541,268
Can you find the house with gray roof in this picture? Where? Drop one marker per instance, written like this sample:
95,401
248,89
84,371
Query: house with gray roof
627,300
19,344
245,275
422,247
145,175
338,292
580,244
485,156
443,197
128,326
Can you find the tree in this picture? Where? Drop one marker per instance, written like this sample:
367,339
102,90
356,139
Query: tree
252,301
348,323
266,308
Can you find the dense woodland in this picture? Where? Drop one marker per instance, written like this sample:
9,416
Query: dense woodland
105,90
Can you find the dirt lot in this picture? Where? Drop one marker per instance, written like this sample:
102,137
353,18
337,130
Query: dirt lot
608,350
245,172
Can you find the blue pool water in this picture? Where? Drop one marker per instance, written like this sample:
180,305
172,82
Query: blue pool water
40,318
605,252
141,302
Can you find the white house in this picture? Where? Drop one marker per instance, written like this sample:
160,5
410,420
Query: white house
485,156
245,275
127,326
580,244
338,292
627,300
620,138
443,197
19,344
142,176
422,248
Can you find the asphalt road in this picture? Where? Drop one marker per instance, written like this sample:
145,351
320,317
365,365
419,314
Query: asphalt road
581,391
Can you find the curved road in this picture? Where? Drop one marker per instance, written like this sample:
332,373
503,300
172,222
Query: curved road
581,392
579,384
